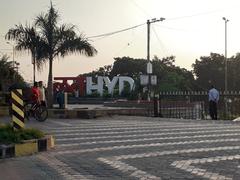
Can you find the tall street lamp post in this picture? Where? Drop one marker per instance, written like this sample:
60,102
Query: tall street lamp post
13,49
17,66
13,60
226,66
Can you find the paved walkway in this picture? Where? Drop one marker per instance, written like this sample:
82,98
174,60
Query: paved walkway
124,147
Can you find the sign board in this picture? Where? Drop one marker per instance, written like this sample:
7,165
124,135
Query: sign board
144,80
153,80
149,68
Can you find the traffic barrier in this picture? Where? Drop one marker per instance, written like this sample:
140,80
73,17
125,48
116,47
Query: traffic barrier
17,109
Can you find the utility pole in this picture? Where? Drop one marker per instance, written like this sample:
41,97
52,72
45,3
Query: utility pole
148,34
149,65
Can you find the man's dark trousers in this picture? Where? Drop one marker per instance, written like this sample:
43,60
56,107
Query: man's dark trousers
213,109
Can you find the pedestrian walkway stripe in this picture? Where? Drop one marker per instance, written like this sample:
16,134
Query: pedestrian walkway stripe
83,127
136,130
110,148
188,166
144,133
17,109
146,139
115,161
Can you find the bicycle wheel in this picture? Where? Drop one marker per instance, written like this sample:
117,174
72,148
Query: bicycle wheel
41,113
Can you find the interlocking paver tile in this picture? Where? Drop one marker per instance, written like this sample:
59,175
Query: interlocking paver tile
124,147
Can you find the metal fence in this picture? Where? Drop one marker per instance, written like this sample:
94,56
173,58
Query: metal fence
194,105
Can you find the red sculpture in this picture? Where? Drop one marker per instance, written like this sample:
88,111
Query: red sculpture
78,84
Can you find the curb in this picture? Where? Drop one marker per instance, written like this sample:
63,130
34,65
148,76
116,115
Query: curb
28,147
89,113
94,113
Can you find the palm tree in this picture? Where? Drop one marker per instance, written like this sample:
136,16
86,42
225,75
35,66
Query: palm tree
28,39
8,74
59,41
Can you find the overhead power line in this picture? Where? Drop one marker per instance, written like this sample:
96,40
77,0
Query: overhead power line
5,49
116,32
163,49
174,18
197,14
142,9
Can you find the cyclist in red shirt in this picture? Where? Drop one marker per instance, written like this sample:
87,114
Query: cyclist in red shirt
35,94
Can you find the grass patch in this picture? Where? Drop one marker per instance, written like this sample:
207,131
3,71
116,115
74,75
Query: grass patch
8,135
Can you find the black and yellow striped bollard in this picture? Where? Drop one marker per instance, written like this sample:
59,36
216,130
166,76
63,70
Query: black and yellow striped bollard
17,109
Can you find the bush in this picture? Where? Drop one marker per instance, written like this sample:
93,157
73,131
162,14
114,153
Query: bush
8,135
106,94
94,94
133,95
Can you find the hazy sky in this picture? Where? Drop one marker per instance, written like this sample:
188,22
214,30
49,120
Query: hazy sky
192,28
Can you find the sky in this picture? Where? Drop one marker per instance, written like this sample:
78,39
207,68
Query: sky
191,29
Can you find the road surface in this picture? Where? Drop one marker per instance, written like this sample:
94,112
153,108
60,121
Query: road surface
131,148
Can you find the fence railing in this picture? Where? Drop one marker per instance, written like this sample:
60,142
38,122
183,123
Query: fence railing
194,104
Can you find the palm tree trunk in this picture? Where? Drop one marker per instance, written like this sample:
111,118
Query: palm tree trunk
34,67
50,83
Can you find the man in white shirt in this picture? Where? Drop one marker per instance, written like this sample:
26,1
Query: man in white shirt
42,93
213,98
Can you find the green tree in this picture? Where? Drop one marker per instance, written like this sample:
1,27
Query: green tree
27,39
209,70
171,77
233,72
102,71
128,66
59,40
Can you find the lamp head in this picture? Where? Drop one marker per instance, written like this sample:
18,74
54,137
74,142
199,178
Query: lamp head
225,19
162,19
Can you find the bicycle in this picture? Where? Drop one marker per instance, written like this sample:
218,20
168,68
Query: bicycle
36,110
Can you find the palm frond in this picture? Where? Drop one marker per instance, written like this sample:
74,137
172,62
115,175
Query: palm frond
15,33
69,42
27,39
